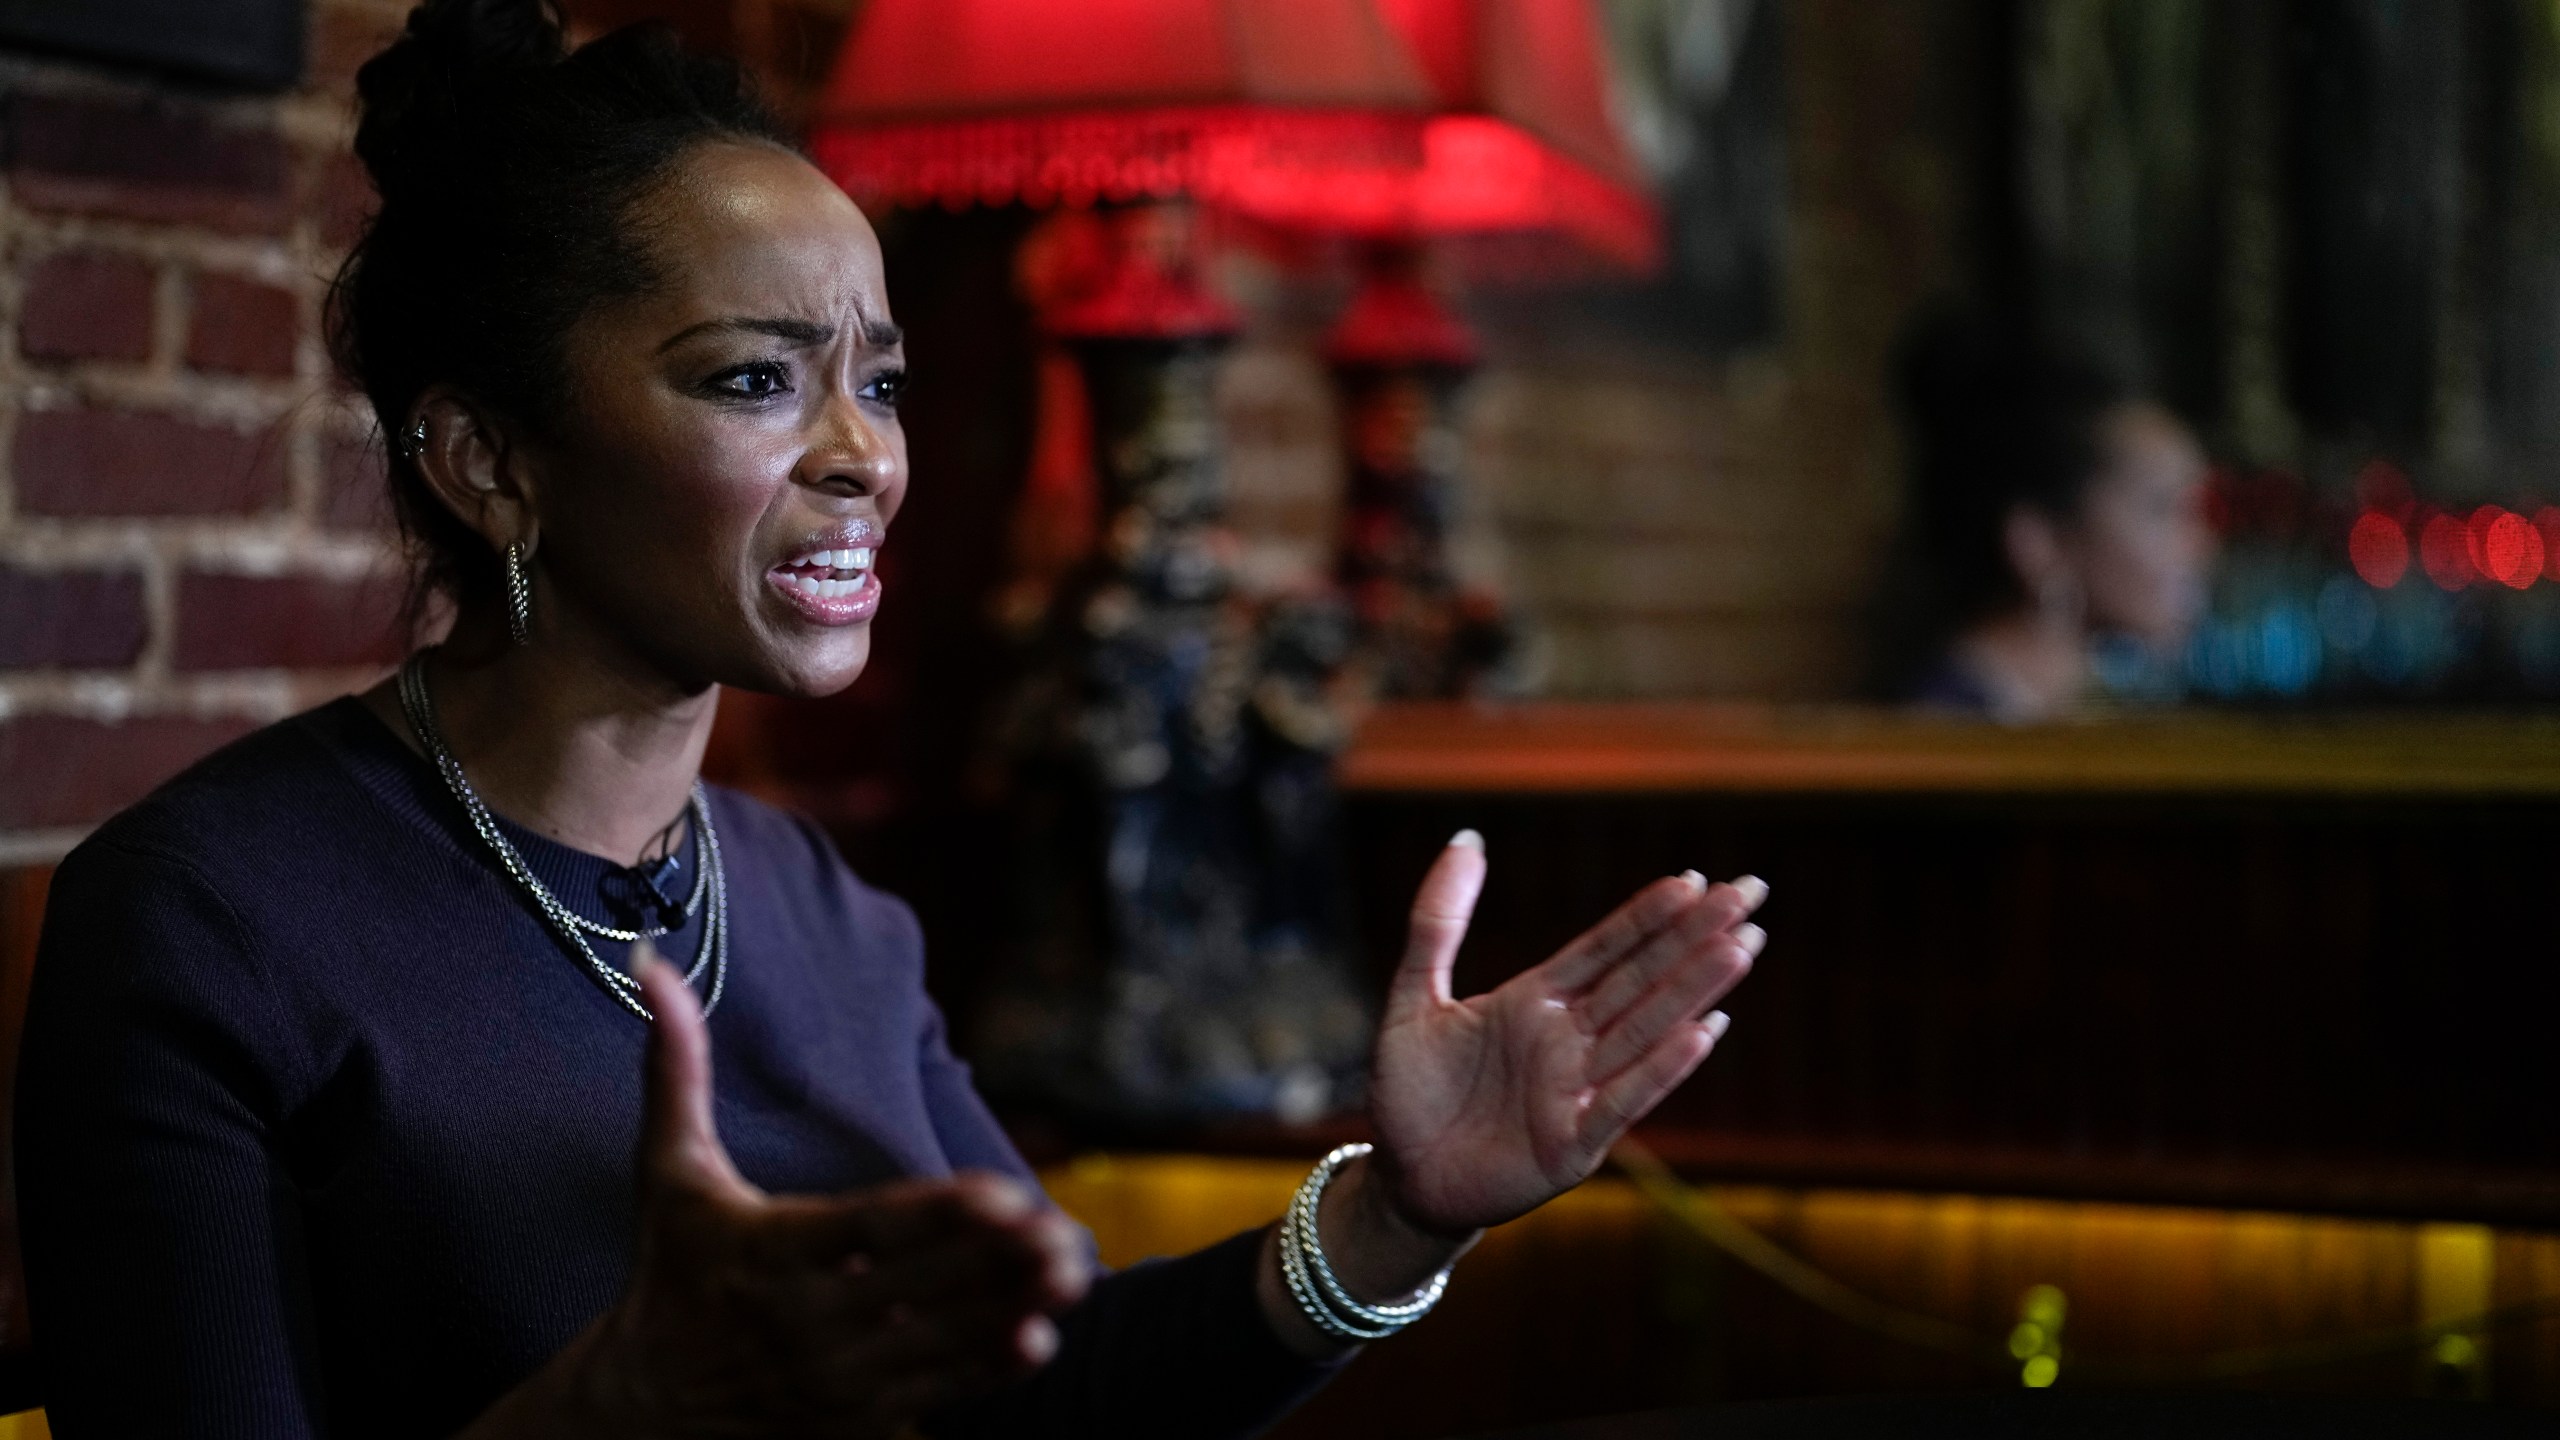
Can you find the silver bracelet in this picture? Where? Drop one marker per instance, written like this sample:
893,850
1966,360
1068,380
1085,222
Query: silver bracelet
1310,1277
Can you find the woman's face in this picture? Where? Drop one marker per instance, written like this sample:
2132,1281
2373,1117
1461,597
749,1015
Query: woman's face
718,492
2142,546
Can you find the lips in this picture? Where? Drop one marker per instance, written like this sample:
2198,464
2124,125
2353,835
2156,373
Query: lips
831,586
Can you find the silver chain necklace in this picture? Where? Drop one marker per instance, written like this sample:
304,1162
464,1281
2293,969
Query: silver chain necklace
714,954
692,902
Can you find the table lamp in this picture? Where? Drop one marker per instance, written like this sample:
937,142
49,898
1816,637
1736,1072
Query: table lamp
1524,170
1169,752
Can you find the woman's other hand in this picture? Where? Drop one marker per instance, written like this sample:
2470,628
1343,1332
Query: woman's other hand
846,1315
1486,1108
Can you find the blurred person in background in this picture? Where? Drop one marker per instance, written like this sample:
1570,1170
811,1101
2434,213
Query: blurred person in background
2053,507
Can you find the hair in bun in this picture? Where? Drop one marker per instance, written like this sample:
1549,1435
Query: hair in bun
1997,417
507,166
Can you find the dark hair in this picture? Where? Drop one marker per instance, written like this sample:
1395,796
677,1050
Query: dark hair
1997,417
509,168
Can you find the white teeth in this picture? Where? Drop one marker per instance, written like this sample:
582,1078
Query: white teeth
806,584
818,562
836,589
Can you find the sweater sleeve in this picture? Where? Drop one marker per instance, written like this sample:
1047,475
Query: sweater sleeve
1173,1348
162,1240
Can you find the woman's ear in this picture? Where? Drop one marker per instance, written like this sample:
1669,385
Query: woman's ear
473,465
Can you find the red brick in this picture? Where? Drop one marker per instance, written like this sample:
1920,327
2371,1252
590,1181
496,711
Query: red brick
342,39
257,622
241,326
139,462
58,771
345,201
158,160
87,305
357,496
70,619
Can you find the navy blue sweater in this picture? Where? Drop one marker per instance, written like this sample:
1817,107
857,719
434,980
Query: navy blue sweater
320,1131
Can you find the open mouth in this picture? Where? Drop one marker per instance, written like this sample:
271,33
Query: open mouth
830,586
828,574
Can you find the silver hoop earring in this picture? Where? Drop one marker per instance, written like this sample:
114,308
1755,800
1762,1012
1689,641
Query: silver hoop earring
519,596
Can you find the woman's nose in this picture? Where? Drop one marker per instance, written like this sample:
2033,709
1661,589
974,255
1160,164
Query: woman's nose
850,453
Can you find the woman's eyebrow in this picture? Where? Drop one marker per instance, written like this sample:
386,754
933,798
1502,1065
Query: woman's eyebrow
799,332
879,334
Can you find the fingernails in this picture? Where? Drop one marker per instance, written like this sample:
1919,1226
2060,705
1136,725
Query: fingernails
1717,1022
1697,882
1751,937
1753,889
1038,1339
1468,838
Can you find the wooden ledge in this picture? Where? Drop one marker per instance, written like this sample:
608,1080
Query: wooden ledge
1561,747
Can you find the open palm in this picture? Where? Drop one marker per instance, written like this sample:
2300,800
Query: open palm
1486,1108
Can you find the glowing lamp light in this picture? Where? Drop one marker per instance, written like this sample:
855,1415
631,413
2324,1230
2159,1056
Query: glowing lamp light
1294,110
2504,546
2444,550
2379,550
1524,145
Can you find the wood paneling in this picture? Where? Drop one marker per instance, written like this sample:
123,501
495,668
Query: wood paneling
2279,995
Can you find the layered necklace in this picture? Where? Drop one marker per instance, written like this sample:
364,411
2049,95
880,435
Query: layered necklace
711,877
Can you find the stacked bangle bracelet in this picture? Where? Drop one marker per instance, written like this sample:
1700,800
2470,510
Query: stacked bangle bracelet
1312,1283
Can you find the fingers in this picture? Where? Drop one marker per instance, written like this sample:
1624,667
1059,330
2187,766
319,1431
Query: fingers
1700,977
679,1144
1715,915
902,1217
1039,1264
1007,1336
1626,1097
1655,908
1441,909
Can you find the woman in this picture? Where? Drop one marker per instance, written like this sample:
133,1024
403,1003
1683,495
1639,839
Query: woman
2055,507
335,1067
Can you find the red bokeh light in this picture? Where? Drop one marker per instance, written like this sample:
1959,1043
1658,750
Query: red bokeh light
2383,486
2546,523
2444,548
2475,534
2505,547
2379,549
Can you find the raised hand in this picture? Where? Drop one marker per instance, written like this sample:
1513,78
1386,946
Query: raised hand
846,1315
1488,1107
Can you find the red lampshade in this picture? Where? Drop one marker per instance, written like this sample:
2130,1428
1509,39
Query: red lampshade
1525,145
1285,109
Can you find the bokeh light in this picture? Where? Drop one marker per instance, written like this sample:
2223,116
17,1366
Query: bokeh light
2444,548
2505,547
2383,486
2379,549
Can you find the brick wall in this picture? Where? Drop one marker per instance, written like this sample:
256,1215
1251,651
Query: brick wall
192,540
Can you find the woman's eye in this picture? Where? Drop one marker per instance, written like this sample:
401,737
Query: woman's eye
752,382
886,388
